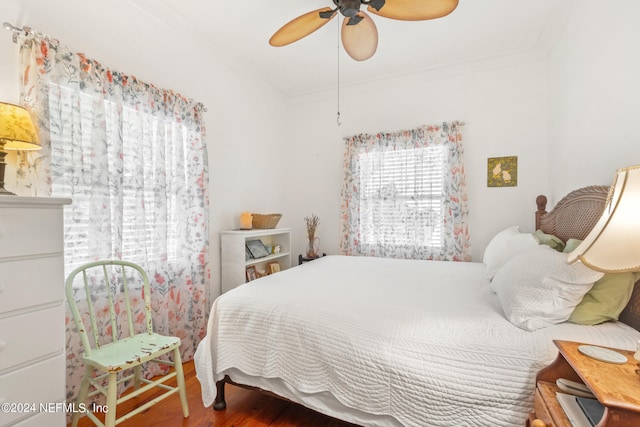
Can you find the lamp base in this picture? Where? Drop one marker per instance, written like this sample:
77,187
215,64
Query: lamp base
3,191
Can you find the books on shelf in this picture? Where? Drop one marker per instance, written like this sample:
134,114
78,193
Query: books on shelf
256,248
581,411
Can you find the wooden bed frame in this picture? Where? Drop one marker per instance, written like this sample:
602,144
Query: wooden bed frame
573,217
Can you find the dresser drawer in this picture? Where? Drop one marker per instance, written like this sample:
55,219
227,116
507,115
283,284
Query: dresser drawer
29,282
40,383
26,231
30,336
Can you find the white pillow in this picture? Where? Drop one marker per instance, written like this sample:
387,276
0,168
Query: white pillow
504,246
537,288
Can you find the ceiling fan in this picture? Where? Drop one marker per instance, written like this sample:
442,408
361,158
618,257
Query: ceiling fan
359,33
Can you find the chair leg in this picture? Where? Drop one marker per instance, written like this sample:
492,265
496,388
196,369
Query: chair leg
112,396
177,360
82,395
137,371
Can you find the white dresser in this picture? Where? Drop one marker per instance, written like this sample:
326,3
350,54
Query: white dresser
32,315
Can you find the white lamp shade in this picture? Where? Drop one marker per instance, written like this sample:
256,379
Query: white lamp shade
613,246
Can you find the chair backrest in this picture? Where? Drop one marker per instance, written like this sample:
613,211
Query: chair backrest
113,297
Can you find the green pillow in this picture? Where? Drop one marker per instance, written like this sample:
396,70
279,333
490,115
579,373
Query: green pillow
549,240
606,300
571,245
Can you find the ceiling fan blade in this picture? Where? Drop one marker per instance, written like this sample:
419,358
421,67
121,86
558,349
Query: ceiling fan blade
360,40
301,26
415,10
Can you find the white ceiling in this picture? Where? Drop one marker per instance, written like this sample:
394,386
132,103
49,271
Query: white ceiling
476,30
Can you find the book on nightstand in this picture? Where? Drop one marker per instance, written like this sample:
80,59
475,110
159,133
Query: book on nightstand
581,411
591,408
573,411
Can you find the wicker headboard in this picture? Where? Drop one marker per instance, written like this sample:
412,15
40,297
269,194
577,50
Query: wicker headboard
573,217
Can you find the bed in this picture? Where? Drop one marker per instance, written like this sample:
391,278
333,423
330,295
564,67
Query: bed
382,342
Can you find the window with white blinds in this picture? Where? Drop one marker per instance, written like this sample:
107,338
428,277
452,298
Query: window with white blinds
127,195
404,194
401,196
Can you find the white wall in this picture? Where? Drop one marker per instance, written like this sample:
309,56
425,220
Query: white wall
594,95
245,117
503,103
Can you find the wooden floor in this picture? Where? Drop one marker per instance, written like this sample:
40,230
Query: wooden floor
244,408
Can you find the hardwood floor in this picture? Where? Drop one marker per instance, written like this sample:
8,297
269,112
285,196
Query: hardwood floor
245,408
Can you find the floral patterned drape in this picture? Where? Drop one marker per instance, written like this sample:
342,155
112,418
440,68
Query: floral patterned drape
404,195
133,160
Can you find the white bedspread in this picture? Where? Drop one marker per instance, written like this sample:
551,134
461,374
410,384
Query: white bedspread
415,343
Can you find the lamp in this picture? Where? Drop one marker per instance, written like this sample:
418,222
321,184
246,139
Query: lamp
613,246
17,132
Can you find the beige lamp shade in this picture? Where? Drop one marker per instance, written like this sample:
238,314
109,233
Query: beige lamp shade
613,246
17,131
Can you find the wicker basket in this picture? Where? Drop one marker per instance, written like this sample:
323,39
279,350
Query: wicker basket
265,221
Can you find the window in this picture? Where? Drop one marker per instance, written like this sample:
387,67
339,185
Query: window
404,195
401,197
141,171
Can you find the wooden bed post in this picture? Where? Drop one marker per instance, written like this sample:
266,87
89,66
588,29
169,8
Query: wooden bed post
220,404
541,202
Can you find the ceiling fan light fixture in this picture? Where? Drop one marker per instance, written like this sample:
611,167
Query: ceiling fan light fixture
349,8
360,41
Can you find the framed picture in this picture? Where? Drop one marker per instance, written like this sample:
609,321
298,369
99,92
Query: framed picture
247,254
502,171
273,267
252,274
256,248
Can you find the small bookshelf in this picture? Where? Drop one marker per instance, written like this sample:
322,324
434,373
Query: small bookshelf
233,259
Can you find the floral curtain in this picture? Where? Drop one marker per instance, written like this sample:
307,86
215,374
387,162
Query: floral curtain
133,160
404,195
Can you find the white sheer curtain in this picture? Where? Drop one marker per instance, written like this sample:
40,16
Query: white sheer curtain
133,160
404,195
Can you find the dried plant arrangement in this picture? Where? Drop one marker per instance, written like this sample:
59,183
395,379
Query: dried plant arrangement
312,223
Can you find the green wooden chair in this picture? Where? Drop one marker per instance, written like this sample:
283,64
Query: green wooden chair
127,346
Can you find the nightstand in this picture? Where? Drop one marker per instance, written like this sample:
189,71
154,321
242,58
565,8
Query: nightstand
616,386
302,259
